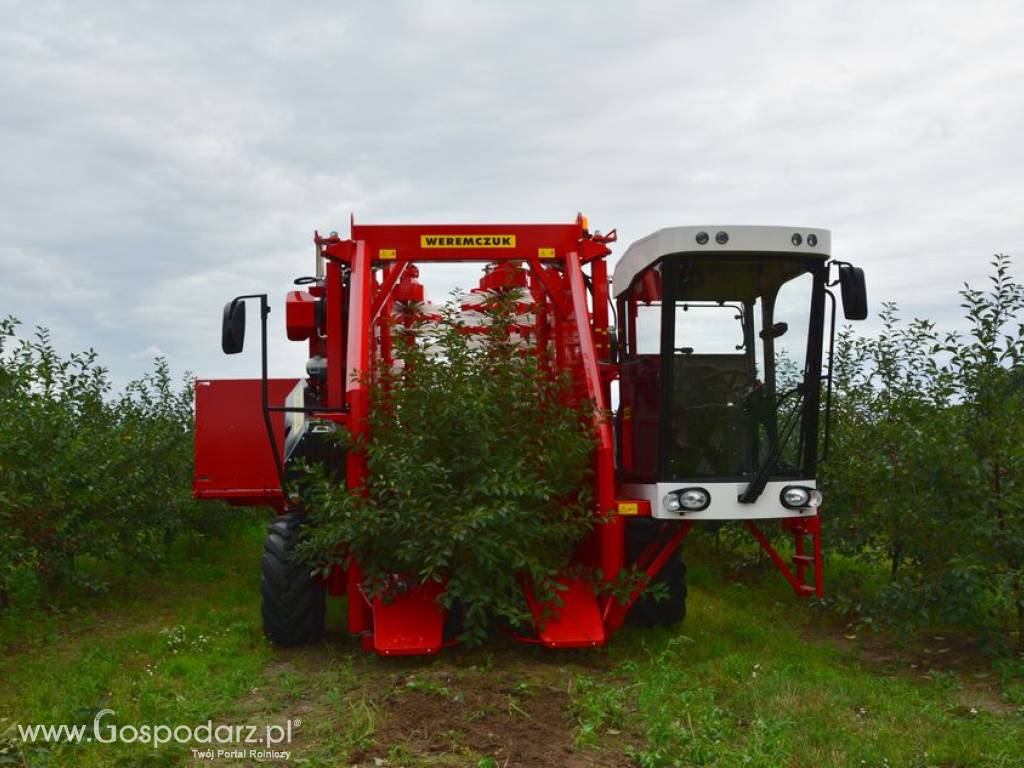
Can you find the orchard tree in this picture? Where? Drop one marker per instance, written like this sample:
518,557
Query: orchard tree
89,477
989,369
480,467
927,459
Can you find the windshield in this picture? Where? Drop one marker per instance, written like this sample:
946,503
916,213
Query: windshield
732,335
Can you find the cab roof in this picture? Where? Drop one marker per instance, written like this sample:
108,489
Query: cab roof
738,239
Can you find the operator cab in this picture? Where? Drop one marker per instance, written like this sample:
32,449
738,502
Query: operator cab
720,349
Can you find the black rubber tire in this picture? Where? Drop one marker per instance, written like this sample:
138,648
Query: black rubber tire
647,612
293,602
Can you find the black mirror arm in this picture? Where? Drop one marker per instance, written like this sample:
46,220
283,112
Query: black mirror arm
828,378
265,387
828,266
265,392
835,263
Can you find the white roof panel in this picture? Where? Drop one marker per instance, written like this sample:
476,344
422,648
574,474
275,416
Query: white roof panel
740,239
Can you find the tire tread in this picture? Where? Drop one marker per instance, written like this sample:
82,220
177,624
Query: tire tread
293,601
647,612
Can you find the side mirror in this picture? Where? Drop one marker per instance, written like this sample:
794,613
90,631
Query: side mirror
854,291
232,337
777,330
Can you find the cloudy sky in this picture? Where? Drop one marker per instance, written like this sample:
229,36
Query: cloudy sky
159,158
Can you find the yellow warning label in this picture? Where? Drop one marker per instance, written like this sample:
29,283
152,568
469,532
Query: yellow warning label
387,253
629,508
546,253
467,241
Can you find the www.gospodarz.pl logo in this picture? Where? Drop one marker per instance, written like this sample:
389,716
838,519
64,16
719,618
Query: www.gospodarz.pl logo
254,742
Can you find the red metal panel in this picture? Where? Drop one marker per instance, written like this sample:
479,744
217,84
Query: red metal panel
233,456
335,336
409,624
576,623
300,315
599,277
358,364
404,242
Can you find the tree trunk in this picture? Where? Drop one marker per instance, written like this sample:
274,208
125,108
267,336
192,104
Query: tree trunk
1010,560
896,554
1018,601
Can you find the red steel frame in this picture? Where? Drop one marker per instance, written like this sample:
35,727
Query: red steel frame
549,261
554,257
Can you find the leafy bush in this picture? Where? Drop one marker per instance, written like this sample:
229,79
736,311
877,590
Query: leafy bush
89,479
928,467
479,465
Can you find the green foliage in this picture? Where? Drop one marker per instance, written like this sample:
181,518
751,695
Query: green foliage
479,473
88,479
928,453
597,707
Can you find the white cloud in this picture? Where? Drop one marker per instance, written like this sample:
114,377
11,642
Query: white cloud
158,159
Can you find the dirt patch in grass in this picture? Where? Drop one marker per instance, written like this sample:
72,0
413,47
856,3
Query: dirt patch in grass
471,716
505,705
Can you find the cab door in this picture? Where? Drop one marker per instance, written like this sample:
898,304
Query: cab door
640,380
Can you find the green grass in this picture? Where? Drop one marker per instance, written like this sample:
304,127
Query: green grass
178,649
740,685
743,682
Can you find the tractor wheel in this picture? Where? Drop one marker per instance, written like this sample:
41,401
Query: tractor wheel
647,612
294,602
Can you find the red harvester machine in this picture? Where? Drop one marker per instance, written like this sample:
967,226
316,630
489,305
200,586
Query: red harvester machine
717,354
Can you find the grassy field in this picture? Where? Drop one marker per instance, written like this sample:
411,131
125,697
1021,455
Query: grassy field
750,679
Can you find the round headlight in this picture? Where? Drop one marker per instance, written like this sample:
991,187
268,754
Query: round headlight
702,238
721,238
672,503
796,239
795,497
815,499
694,499
812,240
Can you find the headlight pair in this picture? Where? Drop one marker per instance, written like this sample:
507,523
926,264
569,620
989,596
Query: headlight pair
698,499
687,500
